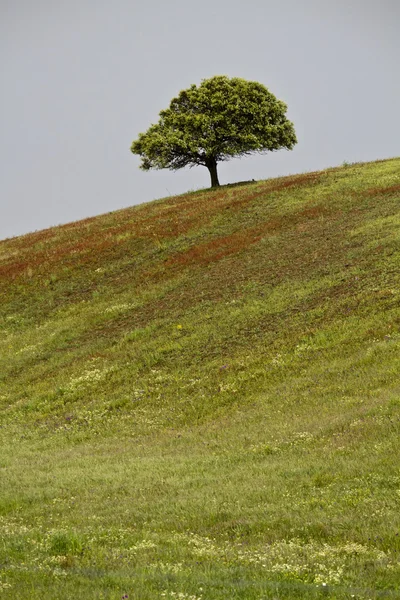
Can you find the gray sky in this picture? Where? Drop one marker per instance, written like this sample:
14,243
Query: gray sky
81,78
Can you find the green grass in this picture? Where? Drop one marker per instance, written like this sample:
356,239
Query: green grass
200,396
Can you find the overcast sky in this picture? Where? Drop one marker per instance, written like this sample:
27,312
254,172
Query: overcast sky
81,78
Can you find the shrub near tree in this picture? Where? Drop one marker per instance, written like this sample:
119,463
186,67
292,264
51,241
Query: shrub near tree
213,122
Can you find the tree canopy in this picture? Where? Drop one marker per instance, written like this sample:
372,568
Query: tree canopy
213,122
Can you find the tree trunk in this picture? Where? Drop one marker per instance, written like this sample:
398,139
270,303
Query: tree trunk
212,167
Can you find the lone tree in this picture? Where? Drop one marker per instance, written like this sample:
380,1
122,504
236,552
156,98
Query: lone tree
213,122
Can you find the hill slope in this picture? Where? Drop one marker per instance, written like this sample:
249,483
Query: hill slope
200,397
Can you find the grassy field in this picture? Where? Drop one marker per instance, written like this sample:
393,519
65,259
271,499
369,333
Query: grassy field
200,396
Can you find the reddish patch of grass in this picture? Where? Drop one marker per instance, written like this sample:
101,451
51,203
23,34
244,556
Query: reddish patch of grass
181,215
31,239
233,243
295,181
381,191
217,249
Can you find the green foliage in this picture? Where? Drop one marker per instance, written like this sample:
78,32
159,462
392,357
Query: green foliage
213,122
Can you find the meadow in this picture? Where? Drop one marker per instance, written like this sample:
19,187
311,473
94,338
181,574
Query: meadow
200,398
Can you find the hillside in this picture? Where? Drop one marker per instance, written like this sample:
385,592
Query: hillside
200,396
